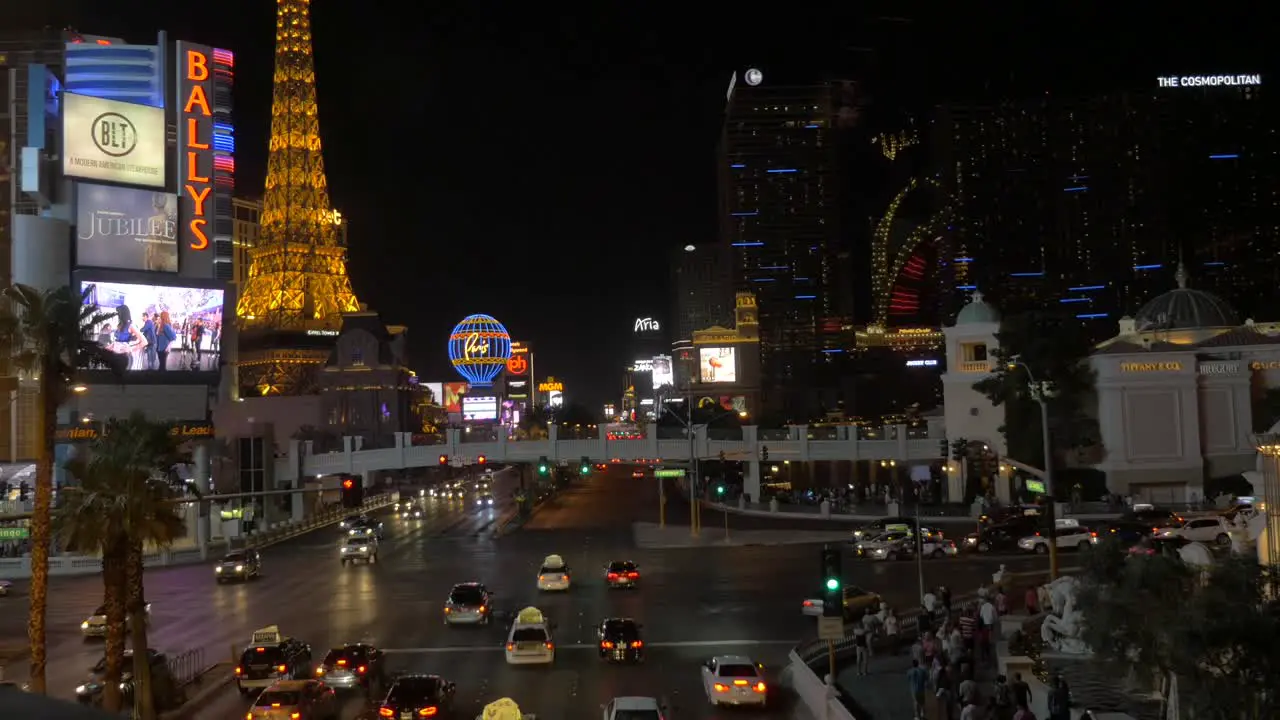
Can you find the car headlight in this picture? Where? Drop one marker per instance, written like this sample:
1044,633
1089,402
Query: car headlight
971,541
239,568
85,689
345,549
218,569
351,532
364,548
84,625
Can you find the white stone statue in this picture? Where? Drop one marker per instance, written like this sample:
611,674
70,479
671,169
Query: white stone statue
997,578
930,602
1062,627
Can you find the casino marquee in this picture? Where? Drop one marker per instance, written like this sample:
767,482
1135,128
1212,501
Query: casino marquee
1210,80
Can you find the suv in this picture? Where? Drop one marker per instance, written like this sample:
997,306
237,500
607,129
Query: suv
1002,536
1070,534
353,665
262,665
359,548
468,604
239,565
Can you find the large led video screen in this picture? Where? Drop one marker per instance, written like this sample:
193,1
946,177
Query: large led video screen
663,375
120,227
158,328
718,364
475,407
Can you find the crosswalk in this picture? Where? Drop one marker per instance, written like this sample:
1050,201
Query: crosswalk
591,646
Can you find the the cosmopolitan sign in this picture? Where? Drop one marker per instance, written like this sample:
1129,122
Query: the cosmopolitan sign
1175,81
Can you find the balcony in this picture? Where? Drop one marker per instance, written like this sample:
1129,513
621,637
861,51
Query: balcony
977,366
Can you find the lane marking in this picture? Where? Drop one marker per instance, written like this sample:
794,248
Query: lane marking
586,646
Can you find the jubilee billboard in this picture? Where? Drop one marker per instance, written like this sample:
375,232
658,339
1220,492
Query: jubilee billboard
126,228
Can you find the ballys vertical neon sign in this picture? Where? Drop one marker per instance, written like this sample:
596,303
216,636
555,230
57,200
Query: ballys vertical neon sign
196,113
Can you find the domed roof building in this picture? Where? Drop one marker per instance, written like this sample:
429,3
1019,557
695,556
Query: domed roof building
1185,309
977,311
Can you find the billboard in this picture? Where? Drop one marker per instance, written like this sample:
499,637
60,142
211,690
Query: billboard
518,364
159,327
555,399
195,157
124,228
479,407
112,141
663,373
453,392
518,389
437,392
718,364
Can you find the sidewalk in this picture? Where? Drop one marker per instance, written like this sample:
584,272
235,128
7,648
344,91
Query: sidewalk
813,512
650,536
883,692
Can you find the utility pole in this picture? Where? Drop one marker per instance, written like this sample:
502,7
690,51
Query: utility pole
1041,393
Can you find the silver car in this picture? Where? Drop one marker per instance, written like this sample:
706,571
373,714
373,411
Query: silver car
468,604
362,548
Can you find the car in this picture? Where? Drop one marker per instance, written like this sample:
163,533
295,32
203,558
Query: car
1160,546
554,574
270,657
350,520
296,700
633,707
1153,515
95,626
1215,529
622,574
529,640
939,547
1002,515
887,546
412,697
411,511
734,680
857,602
1070,535
878,527
620,640
240,565
637,473
366,528
1127,532
363,549
484,499
5,587
162,681
1002,536
354,665
468,604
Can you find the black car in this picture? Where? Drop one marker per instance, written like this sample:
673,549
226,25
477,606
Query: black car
261,666
418,696
162,682
622,574
620,640
1006,514
366,526
1002,537
354,665
1127,532
239,565
1154,516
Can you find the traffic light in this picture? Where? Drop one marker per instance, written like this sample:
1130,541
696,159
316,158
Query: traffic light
352,491
720,489
444,460
23,489
544,467
585,468
764,453
832,590
960,450
943,447
481,460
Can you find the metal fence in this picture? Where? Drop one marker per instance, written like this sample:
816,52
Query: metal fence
185,667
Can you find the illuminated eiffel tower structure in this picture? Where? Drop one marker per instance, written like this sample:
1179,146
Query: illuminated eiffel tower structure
298,287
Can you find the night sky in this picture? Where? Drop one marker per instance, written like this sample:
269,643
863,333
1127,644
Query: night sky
539,164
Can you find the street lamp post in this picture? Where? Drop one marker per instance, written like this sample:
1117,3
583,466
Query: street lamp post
1041,392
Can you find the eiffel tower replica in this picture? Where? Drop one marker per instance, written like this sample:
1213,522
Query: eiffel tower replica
292,303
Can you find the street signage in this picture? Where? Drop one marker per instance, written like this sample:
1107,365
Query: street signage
14,533
830,628
669,473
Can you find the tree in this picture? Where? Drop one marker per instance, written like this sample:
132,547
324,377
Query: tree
573,414
1054,347
533,424
46,335
1212,630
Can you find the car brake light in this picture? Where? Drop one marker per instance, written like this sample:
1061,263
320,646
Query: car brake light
262,650
385,711
295,716
612,576
1093,534
428,711
1037,534
239,670
808,603
550,646
633,575
740,683
511,646
606,644
361,669
759,687
319,671
721,687
281,668
637,644
342,663
564,578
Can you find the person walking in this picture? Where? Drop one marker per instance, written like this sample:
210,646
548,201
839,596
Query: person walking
862,646
1032,601
891,630
1002,697
1059,700
1024,712
917,683
1021,691
989,621
944,695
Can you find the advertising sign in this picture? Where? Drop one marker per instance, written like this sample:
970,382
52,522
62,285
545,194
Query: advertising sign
479,407
518,389
124,228
646,325
159,327
642,366
1173,81
112,141
437,392
663,372
518,364
718,364
555,399
195,156
453,393
551,386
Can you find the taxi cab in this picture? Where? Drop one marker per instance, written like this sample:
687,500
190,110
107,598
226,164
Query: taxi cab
295,700
271,657
529,641
504,709
554,574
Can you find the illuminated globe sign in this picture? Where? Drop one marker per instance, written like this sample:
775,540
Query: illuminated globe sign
479,348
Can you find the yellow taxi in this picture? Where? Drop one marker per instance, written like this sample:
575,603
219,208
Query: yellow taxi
530,641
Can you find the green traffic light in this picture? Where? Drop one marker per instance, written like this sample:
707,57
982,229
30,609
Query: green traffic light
833,584
542,469
719,489
585,470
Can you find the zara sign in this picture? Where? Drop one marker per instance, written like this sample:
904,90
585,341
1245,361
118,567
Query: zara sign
647,324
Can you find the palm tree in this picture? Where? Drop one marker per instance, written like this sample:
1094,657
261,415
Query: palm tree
45,334
123,505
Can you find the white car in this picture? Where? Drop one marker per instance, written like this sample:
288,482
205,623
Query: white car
1070,535
530,641
633,708
554,574
5,585
886,546
96,624
1206,530
484,500
362,548
734,680
411,511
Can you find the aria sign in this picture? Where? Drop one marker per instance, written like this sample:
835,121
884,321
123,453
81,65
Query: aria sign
647,324
1174,81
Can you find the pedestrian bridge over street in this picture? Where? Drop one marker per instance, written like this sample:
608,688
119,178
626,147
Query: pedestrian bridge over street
797,443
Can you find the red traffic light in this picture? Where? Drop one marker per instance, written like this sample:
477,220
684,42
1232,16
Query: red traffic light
444,459
480,459
348,484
